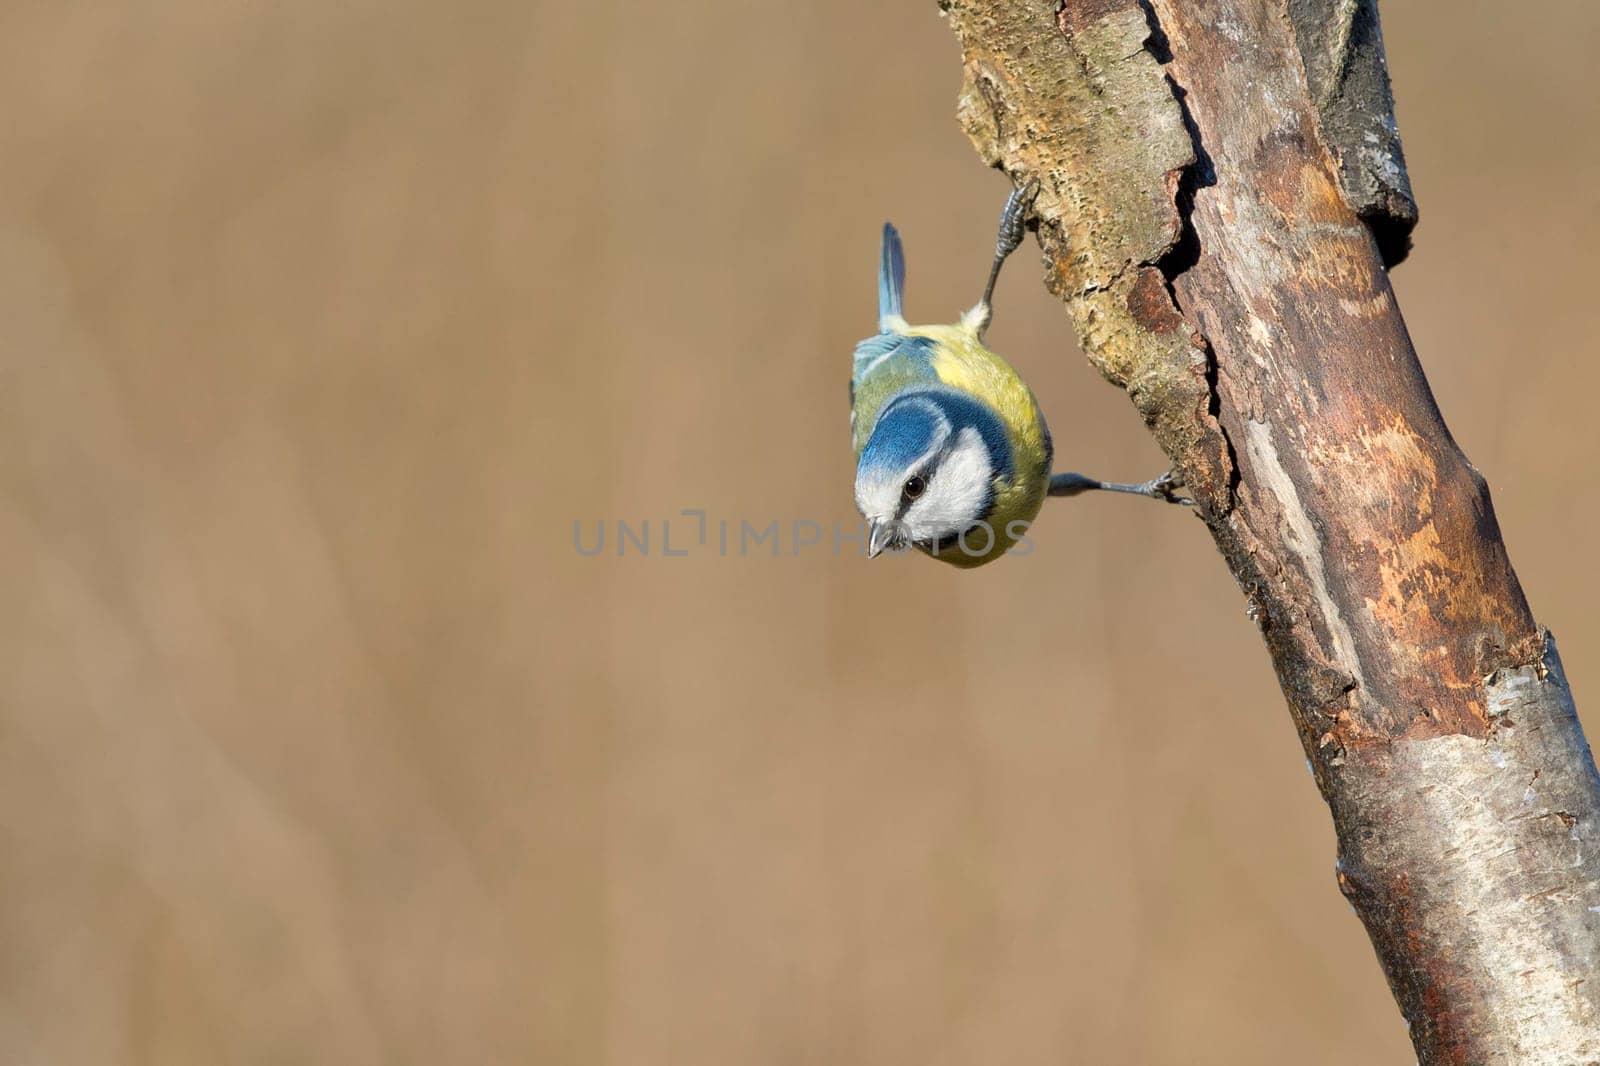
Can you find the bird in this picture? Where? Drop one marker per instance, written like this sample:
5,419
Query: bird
953,456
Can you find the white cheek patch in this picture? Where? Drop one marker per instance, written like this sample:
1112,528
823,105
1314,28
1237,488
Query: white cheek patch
958,492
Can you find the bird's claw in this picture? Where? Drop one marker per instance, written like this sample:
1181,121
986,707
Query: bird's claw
1014,217
1165,488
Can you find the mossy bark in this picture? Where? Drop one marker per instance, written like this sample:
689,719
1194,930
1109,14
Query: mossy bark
1221,190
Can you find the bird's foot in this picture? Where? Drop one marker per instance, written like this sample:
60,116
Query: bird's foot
1014,218
1166,488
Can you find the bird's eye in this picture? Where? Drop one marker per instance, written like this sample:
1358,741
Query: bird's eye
915,487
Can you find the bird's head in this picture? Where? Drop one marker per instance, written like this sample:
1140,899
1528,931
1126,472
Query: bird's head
927,472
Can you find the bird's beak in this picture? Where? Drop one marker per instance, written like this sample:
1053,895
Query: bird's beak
885,533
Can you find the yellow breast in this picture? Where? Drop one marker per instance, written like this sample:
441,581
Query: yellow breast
963,363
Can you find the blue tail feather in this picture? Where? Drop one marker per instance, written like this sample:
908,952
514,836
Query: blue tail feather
891,275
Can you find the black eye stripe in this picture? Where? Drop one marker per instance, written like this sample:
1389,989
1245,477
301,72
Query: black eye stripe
906,498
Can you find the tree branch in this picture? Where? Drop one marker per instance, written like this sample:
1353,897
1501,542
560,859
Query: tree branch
1220,184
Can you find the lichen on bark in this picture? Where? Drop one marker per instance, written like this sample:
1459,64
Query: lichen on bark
1219,196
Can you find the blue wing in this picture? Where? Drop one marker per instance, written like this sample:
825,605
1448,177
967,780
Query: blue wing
913,355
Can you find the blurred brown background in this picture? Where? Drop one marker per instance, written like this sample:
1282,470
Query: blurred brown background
319,742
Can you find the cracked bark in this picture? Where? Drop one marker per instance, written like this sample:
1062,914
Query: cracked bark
1221,187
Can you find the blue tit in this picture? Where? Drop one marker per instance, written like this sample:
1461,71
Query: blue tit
952,454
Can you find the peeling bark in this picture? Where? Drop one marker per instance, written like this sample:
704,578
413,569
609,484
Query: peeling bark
1220,187
1341,48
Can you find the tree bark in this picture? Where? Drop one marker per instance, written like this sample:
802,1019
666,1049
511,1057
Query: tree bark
1221,188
